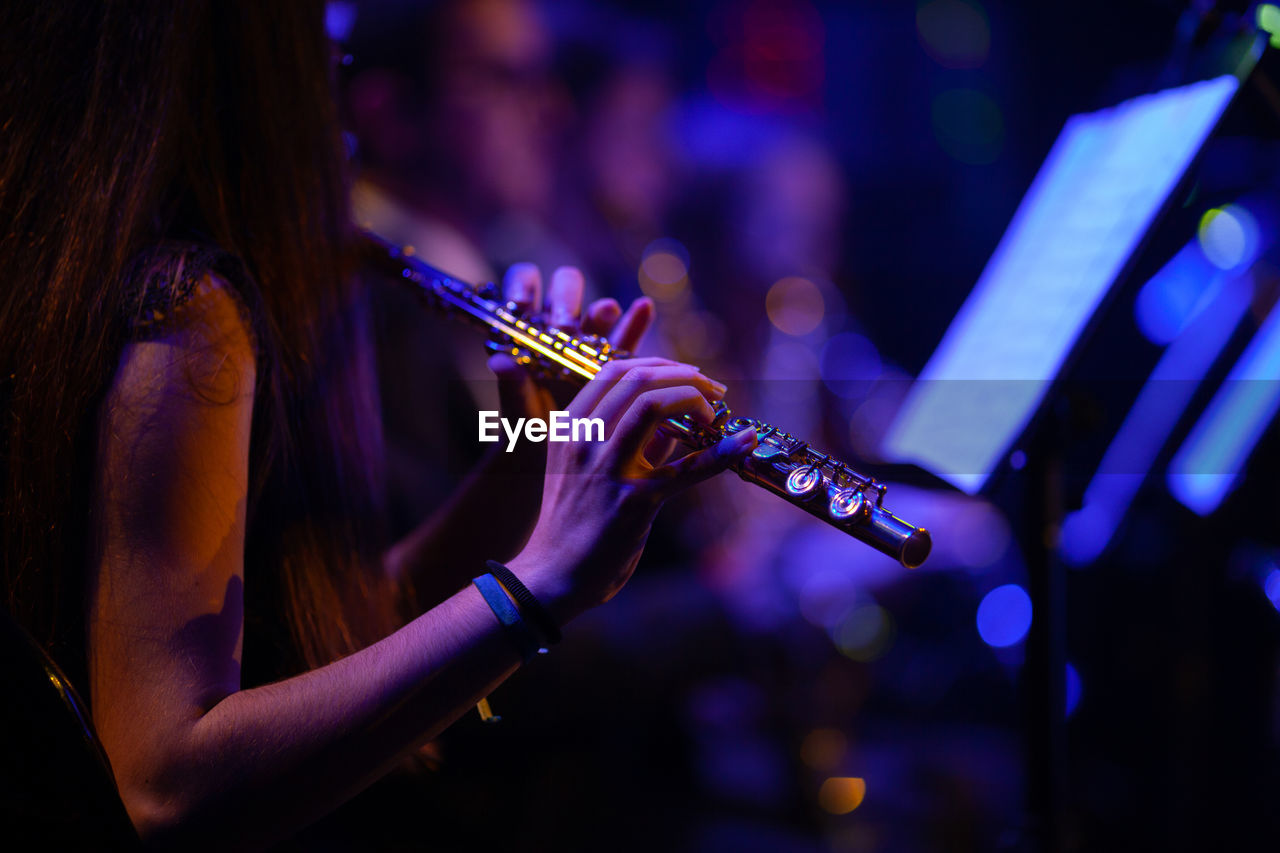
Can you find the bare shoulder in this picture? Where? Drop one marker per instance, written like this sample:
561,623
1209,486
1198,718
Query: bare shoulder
175,426
203,350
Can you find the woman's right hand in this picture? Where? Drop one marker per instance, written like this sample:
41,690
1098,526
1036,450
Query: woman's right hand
599,498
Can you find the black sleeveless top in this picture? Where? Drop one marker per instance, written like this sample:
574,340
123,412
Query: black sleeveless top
166,276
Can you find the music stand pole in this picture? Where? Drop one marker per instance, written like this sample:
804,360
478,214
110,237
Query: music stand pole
1044,667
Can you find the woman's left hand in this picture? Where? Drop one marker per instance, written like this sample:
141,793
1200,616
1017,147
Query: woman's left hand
520,394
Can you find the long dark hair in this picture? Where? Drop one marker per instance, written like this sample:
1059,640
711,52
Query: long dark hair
127,123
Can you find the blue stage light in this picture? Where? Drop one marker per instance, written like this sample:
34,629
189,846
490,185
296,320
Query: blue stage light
1207,466
1173,296
1229,237
1161,402
1271,586
1004,616
339,18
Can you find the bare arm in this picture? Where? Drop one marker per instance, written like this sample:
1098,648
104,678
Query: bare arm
198,759
201,763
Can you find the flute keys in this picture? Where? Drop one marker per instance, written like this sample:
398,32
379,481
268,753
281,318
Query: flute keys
803,482
849,504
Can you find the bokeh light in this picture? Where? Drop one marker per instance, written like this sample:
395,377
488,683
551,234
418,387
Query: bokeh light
842,794
339,18
823,749
795,305
968,125
1228,236
1269,20
664,270
954,33
1271,586
865,633
1004,616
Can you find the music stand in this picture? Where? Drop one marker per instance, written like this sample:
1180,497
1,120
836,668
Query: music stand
983,406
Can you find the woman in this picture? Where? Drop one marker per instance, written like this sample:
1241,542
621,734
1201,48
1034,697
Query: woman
190,443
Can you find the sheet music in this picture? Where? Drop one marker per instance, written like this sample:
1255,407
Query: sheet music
1097,194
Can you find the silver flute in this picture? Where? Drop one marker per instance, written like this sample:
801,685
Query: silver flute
824,487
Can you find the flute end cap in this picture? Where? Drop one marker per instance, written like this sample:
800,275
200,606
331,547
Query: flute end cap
916,549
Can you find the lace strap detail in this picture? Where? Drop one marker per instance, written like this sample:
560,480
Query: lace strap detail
165,277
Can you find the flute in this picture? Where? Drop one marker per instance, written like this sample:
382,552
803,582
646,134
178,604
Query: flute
781,463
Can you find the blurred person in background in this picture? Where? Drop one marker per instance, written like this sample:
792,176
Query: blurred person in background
618,175
455,116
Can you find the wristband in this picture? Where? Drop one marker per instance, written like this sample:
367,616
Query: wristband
543,624
521,632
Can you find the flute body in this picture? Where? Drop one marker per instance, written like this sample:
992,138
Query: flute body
781,463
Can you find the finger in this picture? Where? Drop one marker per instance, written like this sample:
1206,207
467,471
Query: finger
564,297
593,392
523,285
513,382
705,463
626,335
636,382
647,410
601,316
